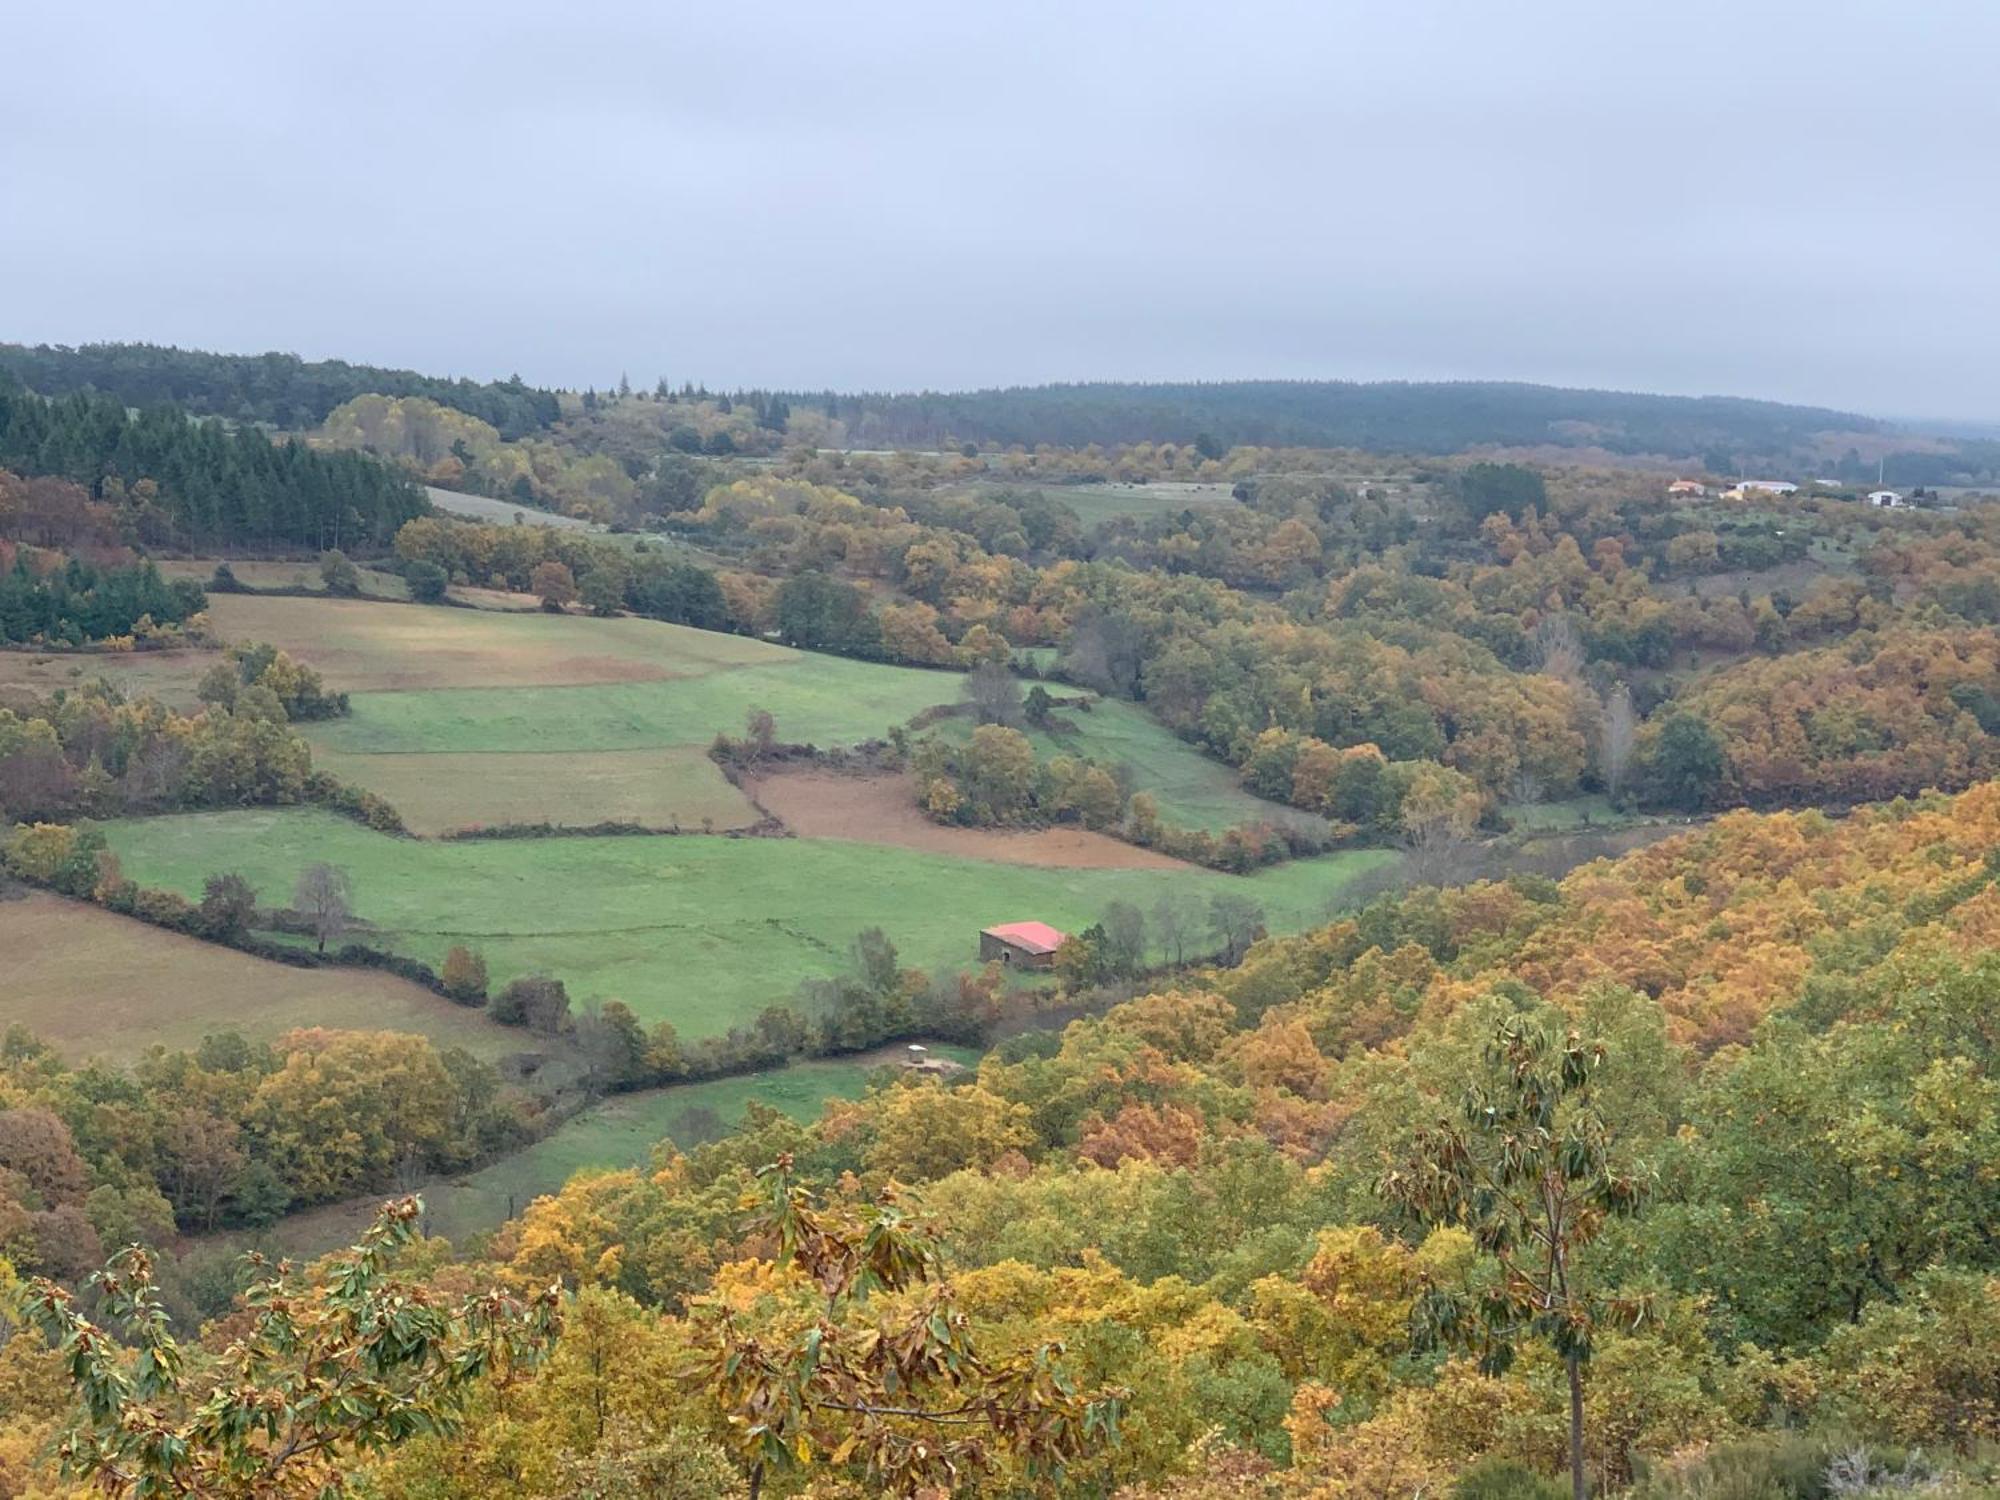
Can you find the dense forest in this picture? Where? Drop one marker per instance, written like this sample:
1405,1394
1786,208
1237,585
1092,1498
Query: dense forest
179,482
1726,434
279,389
1385,416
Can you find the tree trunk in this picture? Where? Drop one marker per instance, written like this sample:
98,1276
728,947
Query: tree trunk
1578,1489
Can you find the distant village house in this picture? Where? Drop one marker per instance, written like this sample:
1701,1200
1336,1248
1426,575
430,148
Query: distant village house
1687,489
1021,945
1886,499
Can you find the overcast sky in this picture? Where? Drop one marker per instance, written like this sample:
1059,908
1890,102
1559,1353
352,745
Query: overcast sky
1793,200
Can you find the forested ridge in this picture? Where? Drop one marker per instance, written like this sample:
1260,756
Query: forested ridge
201,483
279,389
1385,416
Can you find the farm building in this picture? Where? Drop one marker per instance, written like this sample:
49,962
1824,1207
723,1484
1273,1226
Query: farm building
1023,945
1886,499
1768,487
1687,489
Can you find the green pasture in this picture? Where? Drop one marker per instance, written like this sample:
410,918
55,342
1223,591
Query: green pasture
674,788
264,573
1097,503
822,700
699,931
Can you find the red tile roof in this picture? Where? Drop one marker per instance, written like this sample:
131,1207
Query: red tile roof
1035,937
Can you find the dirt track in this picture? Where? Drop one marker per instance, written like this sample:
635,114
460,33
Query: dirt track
882,810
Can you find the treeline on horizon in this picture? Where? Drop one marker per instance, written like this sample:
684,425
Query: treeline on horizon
1393,416
1382,416
280,389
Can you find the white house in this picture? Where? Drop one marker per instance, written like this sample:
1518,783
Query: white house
1887,499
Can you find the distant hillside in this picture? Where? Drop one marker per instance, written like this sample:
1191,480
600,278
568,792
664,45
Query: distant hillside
281,389
1724,434
1395,416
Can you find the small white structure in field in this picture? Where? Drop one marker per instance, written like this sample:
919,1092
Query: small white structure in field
1886,499
1768,487
921,1061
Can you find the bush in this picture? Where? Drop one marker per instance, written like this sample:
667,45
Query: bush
427,581
534,1001
165,909
1503,1479
1785,1466
361,956
464,976
339,575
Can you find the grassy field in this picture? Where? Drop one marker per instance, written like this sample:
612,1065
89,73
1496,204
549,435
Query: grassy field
700,931
1095,503
167,675
260,573
1593,810
96,984
363,646
464,718
1194,791
501,512
822,700
669,789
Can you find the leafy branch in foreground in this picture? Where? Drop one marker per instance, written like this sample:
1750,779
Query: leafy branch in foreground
903,1390
1528,1173
347,1361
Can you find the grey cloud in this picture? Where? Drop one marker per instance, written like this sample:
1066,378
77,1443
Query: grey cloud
1779,199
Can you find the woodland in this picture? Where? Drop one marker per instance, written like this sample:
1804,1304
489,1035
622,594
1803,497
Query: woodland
1356,1145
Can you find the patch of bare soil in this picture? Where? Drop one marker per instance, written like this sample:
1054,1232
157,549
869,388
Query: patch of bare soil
881,809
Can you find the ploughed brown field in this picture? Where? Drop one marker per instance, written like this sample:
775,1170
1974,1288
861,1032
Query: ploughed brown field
881,809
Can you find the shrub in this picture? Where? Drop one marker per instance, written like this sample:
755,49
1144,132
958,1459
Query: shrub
534,1001
339,575
427,581
464,976
165,909
1785,1466
1503,1479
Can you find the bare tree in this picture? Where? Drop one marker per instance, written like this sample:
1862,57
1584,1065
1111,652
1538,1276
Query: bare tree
1172,920
1124,938
1235,922
1619,733
994,694
1439,815
322,897
1558,648
760,729
1524,787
